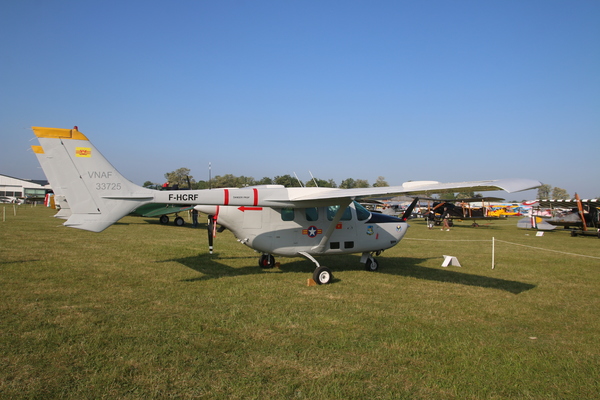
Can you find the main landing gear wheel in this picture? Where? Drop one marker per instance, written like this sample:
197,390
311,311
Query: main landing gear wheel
371,264
179,221
266,261
322,275
164,219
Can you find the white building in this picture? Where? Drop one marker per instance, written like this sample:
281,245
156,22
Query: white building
22,188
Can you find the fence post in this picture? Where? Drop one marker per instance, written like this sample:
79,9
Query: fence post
493,251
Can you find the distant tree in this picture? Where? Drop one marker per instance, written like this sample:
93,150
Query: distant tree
466,195
348,184
232,181
179,177
287,181
221,181
558,193
149,184
200,185
380,182
544,191
320,183
362,183
246,181
331,183
265,181
447,196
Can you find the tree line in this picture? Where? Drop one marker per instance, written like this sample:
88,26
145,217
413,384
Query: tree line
182,179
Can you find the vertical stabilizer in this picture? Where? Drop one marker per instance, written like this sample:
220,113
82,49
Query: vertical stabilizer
89,182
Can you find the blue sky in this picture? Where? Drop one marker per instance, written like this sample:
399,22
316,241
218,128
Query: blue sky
436,90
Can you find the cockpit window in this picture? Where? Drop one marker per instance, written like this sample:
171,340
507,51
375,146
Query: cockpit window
332,210
287,214
362,214
312,214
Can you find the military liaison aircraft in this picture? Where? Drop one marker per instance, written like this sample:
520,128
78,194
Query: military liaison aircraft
272,219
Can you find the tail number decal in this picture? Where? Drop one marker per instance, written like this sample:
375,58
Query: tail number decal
183,197
108,186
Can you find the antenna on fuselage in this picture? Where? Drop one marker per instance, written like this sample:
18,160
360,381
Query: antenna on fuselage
299,181
313,178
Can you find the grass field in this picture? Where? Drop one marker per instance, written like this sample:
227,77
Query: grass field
142,311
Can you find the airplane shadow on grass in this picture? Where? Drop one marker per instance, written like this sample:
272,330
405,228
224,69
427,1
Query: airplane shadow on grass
212,267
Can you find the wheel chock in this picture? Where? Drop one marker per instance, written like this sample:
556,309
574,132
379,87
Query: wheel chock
311,282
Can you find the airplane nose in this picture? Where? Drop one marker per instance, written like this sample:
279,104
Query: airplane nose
401,229
210,210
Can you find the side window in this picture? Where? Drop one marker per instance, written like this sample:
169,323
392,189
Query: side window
332,210
312,214
287,214
362,214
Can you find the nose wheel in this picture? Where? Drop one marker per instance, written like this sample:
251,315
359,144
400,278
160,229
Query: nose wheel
371,264
266,261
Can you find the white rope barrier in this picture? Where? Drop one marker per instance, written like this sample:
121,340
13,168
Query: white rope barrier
494,240
442,240
555,251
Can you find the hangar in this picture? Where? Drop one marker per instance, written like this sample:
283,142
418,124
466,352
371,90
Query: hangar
11,187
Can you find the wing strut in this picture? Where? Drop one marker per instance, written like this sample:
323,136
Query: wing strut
336,220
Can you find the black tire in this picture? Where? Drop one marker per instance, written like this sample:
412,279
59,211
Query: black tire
371,265
179,221
266,261
164,219
322,276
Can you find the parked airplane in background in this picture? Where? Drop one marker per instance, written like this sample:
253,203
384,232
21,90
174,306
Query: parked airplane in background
581,215
462,209
273,220
11,200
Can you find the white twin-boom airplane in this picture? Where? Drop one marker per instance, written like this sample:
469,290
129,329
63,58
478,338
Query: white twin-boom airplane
271,219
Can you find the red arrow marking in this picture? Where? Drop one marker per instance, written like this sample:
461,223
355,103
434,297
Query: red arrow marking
244,208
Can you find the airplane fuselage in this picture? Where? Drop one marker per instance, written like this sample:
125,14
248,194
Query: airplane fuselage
289,231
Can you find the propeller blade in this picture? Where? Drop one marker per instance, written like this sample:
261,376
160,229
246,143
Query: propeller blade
409,210
210,229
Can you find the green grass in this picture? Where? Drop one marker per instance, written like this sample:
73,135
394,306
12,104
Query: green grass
142,311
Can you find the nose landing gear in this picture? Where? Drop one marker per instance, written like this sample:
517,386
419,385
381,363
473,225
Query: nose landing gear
371,264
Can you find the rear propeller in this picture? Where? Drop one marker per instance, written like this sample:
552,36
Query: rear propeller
211,229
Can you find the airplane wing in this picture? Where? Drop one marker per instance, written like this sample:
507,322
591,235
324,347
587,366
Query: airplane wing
414,188
565,203
99,195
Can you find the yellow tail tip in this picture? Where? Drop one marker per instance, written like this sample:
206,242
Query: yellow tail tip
58,133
